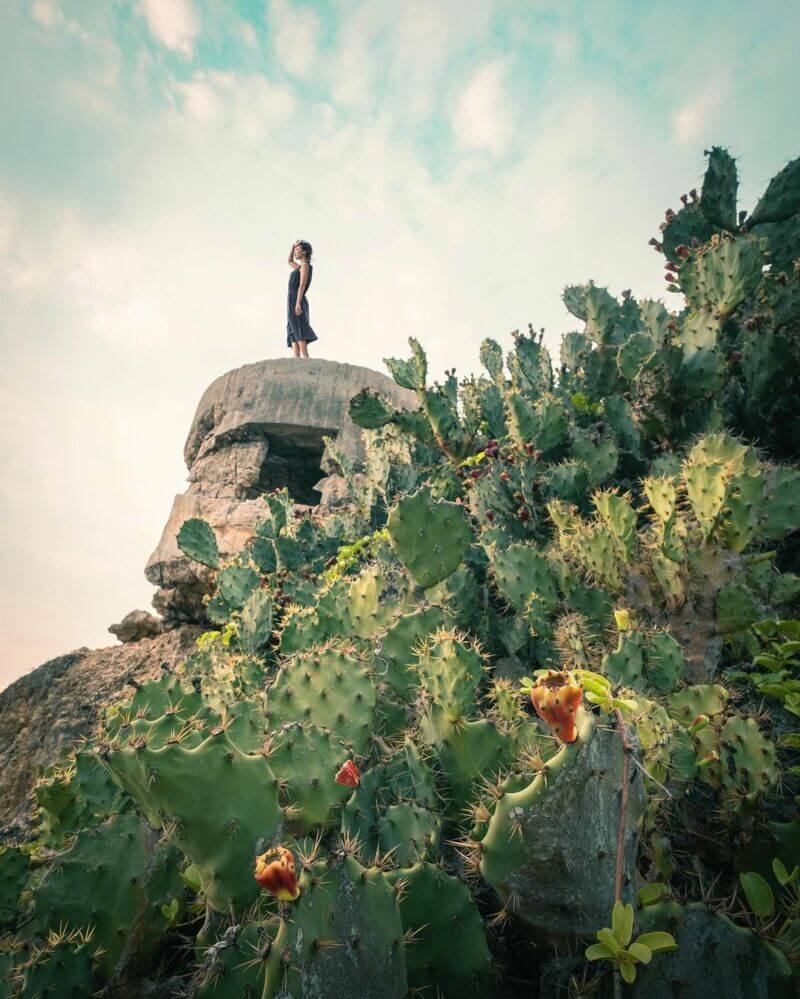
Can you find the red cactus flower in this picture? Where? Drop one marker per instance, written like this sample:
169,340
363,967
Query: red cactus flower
348,774
556,698
275,871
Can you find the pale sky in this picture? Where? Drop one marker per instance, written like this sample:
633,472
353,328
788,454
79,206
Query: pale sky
455,163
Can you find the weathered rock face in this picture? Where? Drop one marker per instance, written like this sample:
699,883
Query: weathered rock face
137,624
59,703
256,428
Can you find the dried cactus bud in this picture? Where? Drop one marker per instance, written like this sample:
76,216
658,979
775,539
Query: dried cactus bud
556,698
275,871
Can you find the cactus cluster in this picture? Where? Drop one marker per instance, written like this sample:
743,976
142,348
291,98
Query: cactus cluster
432,738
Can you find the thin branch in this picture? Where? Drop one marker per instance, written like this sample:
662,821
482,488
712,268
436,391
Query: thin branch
627,747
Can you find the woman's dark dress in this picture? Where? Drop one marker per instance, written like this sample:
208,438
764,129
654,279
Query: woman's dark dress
298,327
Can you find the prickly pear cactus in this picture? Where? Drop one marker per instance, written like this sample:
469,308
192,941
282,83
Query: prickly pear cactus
542,662
550,868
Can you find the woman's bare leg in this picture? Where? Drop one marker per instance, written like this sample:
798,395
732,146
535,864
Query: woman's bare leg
303,349
295,348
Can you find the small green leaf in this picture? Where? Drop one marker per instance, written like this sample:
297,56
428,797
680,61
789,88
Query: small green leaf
759,894
622,923
192,877
783,876
641,952
606,937
169,912
780,872
628,972
597,952
657,940
593,681
650,894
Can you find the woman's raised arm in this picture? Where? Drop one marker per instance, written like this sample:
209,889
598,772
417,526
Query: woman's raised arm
291,261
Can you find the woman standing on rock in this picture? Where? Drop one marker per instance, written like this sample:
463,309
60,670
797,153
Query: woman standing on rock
298,328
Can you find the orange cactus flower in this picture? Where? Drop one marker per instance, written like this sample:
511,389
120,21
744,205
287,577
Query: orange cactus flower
348,774
275,871
557,697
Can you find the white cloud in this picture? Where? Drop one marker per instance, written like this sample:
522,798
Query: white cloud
8,216
422,35
90,97
46,13
200,98
482,118
692,120
247,104
294,32
404,49
351,74
174,23
248,33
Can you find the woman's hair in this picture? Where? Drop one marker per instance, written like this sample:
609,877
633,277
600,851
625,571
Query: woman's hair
307,249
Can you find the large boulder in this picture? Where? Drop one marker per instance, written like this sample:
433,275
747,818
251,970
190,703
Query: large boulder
55,706
257,428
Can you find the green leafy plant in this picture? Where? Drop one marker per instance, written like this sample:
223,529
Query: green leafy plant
759,895
780,660
616,945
